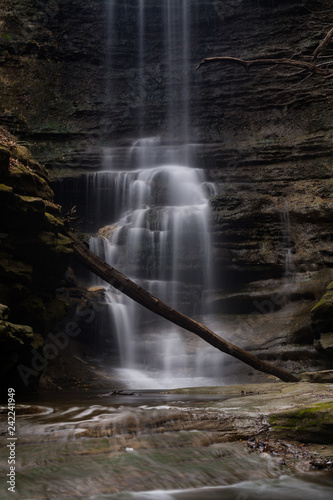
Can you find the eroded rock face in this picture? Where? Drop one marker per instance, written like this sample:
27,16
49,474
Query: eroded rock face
34,256
263,136
267,143
52,65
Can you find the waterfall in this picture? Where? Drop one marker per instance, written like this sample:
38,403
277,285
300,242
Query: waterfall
158,227
162,235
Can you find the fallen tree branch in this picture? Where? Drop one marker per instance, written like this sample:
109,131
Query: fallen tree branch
143,297
312,68
323,44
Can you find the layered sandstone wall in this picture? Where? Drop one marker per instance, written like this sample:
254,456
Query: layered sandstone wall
264,136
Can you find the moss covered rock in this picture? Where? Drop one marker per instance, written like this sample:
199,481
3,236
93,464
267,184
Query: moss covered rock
322,326
322,313
34,256
25,181
309,424
17,342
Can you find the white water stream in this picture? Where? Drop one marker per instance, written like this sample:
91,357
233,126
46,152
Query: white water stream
162,241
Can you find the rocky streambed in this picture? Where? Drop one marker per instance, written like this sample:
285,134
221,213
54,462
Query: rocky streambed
207,442
302,411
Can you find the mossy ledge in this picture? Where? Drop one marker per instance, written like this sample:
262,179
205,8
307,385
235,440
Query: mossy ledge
309,424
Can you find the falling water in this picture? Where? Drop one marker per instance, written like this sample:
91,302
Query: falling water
286,241
109,42
158,233
141,61
162,241
177,35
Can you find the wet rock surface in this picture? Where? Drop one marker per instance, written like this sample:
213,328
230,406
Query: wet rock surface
189,439
292,411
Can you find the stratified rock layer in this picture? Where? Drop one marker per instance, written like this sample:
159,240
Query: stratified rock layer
264,136
34,256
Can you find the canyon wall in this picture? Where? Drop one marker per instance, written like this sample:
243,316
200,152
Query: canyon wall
263,136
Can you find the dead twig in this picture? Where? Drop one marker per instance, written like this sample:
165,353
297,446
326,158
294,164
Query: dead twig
312,68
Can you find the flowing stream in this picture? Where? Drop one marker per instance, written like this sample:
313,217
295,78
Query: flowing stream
96,446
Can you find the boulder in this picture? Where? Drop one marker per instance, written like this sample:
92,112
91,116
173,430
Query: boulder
322,314
322,326
318,377
17,343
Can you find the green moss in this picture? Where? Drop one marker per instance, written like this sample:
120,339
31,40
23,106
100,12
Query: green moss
324,305
34,201
22,153
56,244
52,208
314,409
313,423
5,189
65,244
26,182
322,314
54,222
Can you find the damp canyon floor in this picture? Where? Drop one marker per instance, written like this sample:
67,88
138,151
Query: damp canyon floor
210,442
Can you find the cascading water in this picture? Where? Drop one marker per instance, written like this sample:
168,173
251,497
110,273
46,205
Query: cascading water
286,241
159,232
162,241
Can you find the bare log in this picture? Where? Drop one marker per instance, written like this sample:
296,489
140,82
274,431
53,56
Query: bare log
322,46
143,297
312,68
